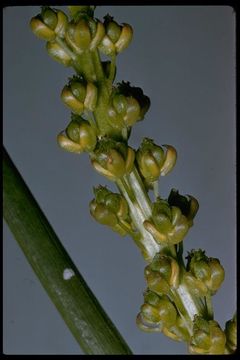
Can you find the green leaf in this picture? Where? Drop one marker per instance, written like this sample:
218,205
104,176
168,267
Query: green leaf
78,306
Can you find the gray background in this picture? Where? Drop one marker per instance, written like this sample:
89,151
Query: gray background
184,59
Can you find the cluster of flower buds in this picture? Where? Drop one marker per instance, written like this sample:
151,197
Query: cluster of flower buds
204,275
48,25
207,338
80,95
231,334
113,159
127,105
111,209
79,136
172,218
82,34
117,37
159,314
153,162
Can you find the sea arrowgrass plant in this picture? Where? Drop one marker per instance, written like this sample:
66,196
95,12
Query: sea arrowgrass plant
178,298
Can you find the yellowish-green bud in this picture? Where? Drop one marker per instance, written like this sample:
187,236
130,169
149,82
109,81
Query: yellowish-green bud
158,311
187,204
79,95
156,282
208,337
110,209
231,334
117,37
207,270
167,267
169,225
152,161
79,137
195,286
127,106
85,34
113,159
102,214
217,275
49,24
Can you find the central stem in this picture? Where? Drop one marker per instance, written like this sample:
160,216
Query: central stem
140,206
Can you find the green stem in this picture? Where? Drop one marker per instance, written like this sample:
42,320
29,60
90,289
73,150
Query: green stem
98,66
147,244
133,190
78,306
156,189
112,70
209,307
84,66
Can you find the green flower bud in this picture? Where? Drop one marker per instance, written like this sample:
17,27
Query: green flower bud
124,39
111,209
78,36
198,264
117,37
136,92
162,215
208,337
127,106
170,225
231,334
178,331
132,112
58,53
102,214
49,23
113,201
156,282
167,267
120,103
49,17
187,204
116,202
152,161
196,286
79,95
113,159
80,136
84,34
207,270
217,275
167,311
158,310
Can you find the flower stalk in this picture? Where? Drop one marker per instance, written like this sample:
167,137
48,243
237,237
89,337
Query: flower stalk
177,301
